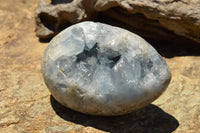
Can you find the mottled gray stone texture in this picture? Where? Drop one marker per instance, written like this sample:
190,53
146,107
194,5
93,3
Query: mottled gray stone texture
154,19
99,69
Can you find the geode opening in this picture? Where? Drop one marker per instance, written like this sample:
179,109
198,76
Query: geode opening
93,52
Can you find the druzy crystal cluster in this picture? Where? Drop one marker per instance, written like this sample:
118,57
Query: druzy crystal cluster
99,69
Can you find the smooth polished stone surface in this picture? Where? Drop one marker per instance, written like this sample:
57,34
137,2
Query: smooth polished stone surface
99,69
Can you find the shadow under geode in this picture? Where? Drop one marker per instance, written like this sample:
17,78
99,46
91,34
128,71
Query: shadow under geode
149,119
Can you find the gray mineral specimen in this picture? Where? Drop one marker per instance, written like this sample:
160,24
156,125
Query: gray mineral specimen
99,69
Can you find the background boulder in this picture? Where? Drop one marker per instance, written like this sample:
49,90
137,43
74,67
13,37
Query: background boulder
153,19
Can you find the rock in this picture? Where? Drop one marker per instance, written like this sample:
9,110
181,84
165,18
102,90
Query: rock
149,19
99,69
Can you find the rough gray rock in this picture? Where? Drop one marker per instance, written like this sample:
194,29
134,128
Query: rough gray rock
152,19
99,69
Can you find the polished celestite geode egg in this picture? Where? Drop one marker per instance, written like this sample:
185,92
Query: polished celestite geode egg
99,69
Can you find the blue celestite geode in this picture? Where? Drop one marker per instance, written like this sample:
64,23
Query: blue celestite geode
99,69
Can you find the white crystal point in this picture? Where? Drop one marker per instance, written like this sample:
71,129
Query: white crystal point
99,69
